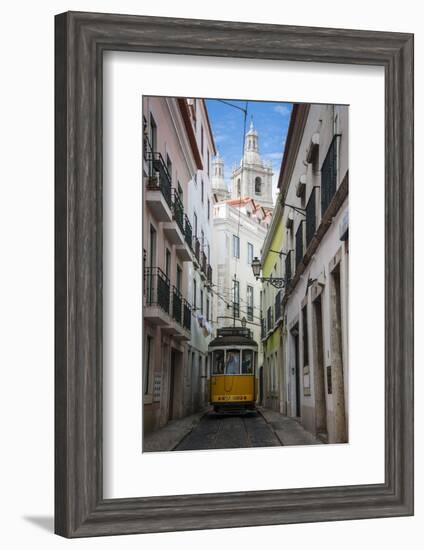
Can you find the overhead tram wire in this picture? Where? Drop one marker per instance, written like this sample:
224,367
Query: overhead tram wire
244,110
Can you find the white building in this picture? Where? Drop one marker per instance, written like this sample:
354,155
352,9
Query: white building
239,228
313,188
252,178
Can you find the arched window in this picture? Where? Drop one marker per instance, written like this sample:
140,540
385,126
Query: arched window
258,185
238,187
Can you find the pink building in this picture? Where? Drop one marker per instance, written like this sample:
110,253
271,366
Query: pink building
171,160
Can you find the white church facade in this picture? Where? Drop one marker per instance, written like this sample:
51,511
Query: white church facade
241,217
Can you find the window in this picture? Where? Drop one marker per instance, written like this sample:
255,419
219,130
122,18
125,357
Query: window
194,294
299,244
201,302
232,361
207,310
329,176
249,253
203,191
179,278
249,296
236,246
310,218
147,363
218,362
152,246
167,263
238,187
153,133
209,209
208,163
236,301
258,186
305,336
247,362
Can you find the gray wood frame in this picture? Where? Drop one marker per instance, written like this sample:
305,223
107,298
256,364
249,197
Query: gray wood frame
80,40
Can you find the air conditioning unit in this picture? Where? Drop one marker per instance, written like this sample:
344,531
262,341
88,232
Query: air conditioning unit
301,186
313,147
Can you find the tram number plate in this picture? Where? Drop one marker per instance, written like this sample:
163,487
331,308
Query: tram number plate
233,398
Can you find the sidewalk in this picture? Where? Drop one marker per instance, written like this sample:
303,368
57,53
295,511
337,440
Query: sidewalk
288,430
168,437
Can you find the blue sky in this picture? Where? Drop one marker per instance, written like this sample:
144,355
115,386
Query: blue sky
270,119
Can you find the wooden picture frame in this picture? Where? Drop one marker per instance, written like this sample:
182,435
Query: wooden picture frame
81,39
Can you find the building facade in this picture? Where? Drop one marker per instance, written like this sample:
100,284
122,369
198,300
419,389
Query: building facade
171,160
311,312
240,224
200,269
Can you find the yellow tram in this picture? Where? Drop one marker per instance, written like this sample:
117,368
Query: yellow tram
233,359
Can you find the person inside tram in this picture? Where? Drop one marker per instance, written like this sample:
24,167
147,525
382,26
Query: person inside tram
232,366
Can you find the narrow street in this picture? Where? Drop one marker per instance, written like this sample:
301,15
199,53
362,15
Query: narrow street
227,432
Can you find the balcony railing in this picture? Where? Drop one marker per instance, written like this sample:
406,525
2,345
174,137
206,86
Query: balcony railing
159,178
310,218
288,265
278,309
178,209
177,300
188,231
196,248
329,176
299,244
186,315
209,274
156,288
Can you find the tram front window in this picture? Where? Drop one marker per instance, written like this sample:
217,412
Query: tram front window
232,364
247,362
218,362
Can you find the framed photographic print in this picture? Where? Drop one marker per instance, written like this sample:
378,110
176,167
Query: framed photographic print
234,274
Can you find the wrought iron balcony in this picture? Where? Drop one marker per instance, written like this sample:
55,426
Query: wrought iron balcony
188,231
156,288
186,315
158,176
177,305
178,209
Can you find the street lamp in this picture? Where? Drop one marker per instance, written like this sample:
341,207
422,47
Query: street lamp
278,282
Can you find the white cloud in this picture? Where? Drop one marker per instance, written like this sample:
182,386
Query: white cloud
283,110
